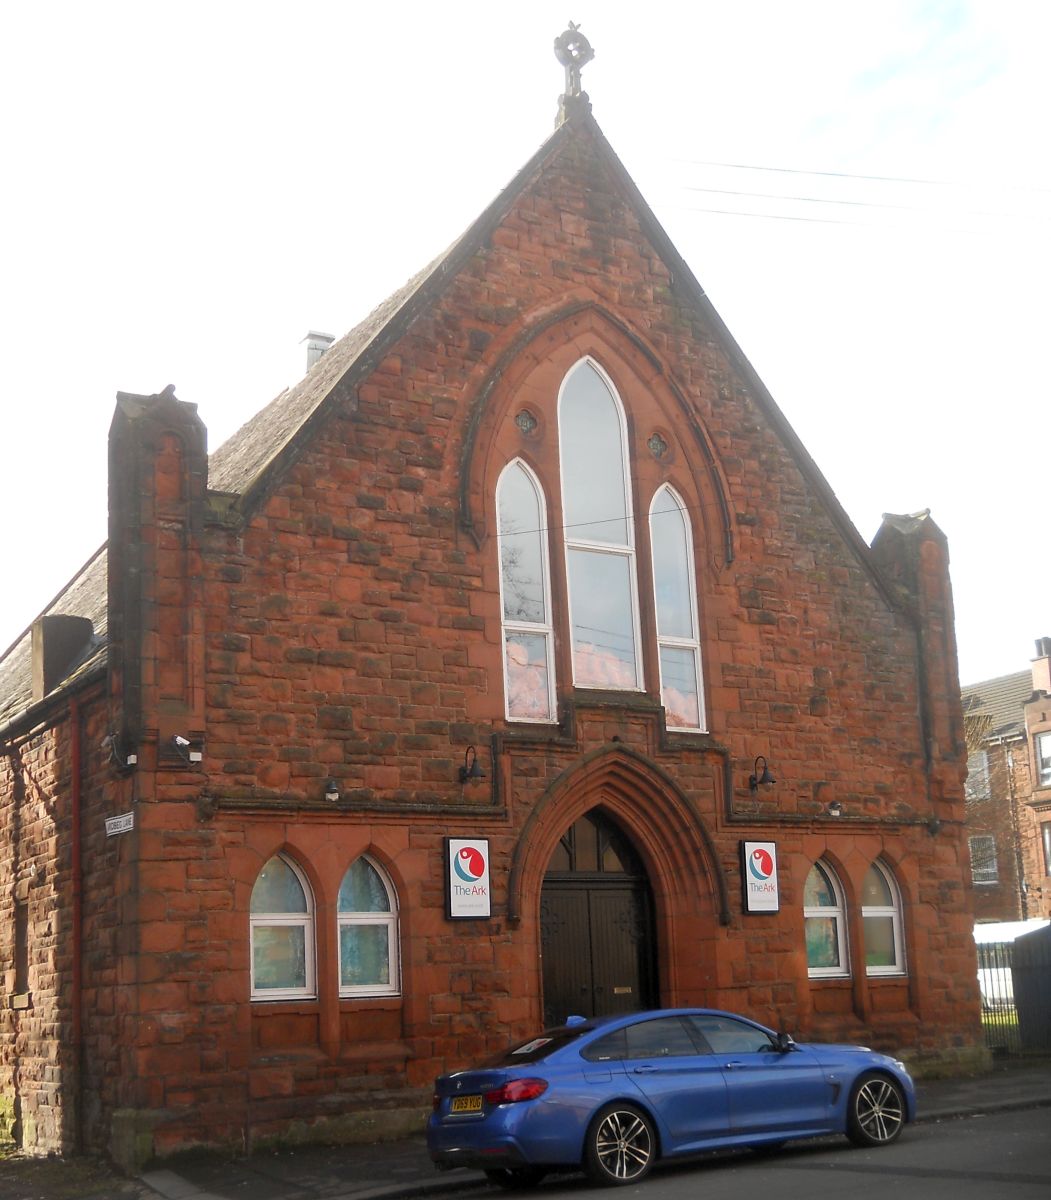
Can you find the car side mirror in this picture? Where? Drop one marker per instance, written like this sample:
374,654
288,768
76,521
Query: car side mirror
784,1043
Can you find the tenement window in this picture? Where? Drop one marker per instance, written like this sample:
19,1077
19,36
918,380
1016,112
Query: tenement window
1043,759
983,859
977,786
368,932
282,933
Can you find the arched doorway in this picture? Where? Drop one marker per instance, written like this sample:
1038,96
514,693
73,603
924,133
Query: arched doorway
596,925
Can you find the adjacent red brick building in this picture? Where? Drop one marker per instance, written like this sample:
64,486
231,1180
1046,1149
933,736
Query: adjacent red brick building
530,559
1008,791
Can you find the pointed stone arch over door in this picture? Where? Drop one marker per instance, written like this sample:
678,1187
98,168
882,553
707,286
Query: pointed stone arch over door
598,940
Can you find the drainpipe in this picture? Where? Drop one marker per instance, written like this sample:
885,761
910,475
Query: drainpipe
78,950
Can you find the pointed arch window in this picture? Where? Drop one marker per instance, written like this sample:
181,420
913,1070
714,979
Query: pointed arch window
281,916
675,605
599,533
881,921
525,592
368,932
824,920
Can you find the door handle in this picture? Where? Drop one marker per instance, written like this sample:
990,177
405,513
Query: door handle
736,1065
647,1070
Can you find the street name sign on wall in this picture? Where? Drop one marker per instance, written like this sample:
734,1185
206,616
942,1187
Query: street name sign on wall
759,877
125,823
468,894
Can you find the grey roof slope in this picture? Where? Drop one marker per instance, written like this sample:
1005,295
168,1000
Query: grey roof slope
1000,699
84,596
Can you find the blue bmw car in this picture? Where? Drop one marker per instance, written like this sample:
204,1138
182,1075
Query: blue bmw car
612,1095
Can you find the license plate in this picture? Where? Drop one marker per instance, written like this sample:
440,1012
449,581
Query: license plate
466,1104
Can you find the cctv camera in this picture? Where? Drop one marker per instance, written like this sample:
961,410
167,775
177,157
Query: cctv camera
180,741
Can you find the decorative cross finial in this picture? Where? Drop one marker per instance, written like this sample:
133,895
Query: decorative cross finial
573,51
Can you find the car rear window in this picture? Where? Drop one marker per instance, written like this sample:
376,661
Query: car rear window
537,1047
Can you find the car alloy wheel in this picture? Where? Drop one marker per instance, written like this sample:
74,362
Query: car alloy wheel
620,1146
877,1111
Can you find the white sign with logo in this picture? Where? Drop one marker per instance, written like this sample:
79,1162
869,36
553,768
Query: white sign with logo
759,877
468,893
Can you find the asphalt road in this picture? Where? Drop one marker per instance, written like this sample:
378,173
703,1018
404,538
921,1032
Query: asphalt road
1004,1156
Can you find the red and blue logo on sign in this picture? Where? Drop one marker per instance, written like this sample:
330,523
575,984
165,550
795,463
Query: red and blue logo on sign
761,864
469,864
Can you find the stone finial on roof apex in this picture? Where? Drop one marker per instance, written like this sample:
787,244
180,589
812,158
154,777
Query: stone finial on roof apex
574,52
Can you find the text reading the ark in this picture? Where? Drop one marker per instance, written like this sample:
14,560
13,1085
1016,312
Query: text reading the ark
467,886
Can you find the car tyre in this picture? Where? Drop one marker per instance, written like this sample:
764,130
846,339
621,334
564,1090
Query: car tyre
515,1178
876,1113
620,1147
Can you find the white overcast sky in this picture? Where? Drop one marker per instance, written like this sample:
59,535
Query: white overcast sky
189,187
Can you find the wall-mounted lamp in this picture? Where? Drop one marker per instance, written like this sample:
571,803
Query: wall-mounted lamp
331,791
934,825
185,750
834,808
472,768
756,778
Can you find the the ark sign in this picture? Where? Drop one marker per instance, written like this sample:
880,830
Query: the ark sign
468,893
759,876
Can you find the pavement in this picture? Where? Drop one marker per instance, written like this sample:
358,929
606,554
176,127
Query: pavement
388,1170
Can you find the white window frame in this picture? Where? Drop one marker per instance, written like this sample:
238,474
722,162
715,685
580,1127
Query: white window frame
839,914
1042,752
534,629
626,551
359,919
286,920
882,911
667,493
988,876
976,787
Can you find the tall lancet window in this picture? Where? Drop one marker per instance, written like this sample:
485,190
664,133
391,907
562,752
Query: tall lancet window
599,533
675,603
525,589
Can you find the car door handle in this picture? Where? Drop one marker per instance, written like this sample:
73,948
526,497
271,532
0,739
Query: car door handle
648,1070
736,1065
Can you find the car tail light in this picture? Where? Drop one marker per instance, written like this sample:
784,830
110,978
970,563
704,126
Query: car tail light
515,1090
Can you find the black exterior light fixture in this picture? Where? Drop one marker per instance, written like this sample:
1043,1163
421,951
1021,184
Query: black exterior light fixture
756,778
472,768
331,791
834,808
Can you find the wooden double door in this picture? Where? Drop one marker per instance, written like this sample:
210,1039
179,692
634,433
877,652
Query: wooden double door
596,925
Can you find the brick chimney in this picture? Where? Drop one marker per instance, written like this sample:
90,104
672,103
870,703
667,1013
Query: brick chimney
1042,666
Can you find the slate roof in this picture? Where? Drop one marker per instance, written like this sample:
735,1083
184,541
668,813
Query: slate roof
84,596
1001,700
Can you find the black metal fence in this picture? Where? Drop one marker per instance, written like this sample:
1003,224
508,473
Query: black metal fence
1015,982
996,981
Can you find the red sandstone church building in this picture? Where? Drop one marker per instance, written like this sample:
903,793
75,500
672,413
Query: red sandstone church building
517,662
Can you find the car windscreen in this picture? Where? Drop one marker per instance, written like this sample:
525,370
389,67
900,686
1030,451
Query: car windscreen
537,1047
